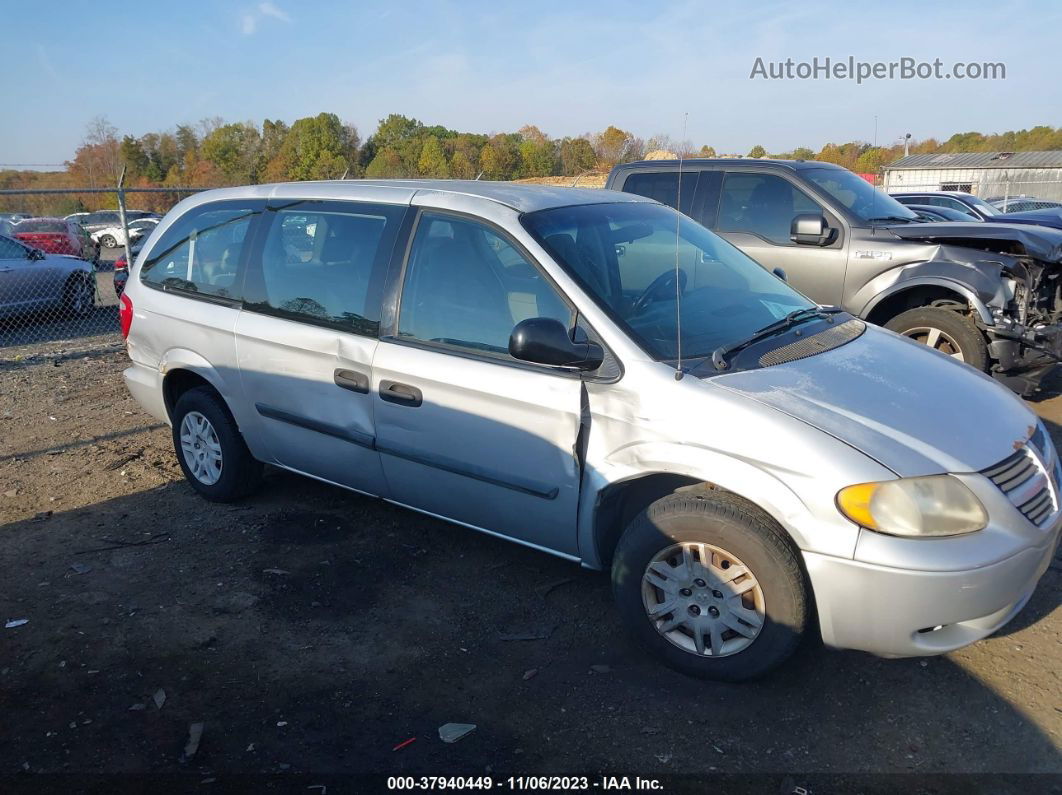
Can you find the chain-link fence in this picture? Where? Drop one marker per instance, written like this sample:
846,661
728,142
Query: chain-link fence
61,276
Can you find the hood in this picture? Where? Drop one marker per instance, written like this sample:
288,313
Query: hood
1050,216
912,409
1033,241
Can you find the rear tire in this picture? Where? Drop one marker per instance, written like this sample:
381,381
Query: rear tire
945,330
210,448
748,622
108,241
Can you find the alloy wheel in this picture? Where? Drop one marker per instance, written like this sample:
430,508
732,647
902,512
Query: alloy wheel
201,448
703,599
936,339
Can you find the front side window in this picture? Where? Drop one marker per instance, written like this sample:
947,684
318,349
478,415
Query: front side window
200,252
467,286
763,205
863,200
630,261
318,263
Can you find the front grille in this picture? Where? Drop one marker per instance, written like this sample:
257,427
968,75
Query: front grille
823,341
1029,483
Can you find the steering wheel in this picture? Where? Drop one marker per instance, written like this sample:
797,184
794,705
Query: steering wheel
662,285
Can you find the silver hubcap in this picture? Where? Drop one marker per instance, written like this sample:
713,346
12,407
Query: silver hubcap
201,448
703,599
936,339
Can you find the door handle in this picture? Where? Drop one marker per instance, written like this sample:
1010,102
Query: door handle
402,394
352,380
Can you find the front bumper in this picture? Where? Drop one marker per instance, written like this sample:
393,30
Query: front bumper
1021,356
907,613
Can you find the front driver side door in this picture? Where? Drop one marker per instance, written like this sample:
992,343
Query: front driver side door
465,431
756,211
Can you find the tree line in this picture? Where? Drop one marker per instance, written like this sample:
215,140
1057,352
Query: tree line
216,153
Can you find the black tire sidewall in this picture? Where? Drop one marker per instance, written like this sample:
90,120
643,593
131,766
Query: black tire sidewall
971,341
237,464
771,558
76,284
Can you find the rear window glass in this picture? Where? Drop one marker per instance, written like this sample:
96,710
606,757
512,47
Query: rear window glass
664,187
41,225
200,252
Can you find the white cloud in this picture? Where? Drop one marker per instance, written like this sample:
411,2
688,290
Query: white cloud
268,9
250,19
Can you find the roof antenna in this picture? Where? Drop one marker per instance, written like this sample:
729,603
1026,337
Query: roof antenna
678,285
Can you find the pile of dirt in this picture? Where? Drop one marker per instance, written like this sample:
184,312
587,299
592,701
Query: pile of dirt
592,180
661,154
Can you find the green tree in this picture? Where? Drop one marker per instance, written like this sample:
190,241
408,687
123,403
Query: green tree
432,161
538,158
707,151
387,164
461,167
576,156
233,150
500,158
803,153
316,147
757,151
134,157
396,130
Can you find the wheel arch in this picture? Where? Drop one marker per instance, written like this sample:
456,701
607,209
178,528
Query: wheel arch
183,370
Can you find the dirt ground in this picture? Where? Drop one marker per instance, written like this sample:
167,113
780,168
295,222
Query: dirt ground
311,631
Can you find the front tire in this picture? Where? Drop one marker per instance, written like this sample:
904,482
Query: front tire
210,448
711,585
108,241
944,330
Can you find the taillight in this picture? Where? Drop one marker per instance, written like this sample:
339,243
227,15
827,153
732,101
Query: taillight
125,315
119,264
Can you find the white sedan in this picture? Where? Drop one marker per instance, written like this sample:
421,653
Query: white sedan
113,236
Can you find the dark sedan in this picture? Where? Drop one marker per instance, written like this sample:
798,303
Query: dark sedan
1050,217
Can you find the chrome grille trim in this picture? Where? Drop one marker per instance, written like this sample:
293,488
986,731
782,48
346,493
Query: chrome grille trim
1030,484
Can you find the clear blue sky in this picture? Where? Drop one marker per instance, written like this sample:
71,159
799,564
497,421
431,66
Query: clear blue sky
569,67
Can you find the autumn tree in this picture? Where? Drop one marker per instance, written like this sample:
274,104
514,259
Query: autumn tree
614,145
432,162
707,151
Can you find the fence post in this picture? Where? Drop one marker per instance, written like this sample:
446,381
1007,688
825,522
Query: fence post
121,218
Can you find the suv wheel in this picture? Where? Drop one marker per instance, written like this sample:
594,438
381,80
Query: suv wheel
946,331
210,448
711,585
109,241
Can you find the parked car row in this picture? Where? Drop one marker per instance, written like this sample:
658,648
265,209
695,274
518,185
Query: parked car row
595,375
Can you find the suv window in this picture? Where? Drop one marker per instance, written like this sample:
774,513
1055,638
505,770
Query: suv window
200,252
663,186
763,204
318,264
467,286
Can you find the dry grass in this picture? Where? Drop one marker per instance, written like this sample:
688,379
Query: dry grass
583,181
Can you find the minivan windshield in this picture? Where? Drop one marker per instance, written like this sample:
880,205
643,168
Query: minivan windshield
626,257
862,199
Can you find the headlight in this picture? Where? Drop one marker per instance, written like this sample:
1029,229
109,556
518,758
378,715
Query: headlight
938,505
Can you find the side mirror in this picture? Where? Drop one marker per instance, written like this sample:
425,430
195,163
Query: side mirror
810,229
34,254
780,274
543,340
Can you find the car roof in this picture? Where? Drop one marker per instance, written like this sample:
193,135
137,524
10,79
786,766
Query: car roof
520,197
692,162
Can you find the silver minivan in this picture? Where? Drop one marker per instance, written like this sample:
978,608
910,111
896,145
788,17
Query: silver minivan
593,375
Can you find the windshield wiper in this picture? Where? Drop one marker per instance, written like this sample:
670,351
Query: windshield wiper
720,354
895,218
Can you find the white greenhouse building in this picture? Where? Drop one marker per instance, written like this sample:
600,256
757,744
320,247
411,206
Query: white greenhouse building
990,175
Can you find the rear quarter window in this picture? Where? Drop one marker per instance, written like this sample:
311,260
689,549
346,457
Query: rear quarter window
201,251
